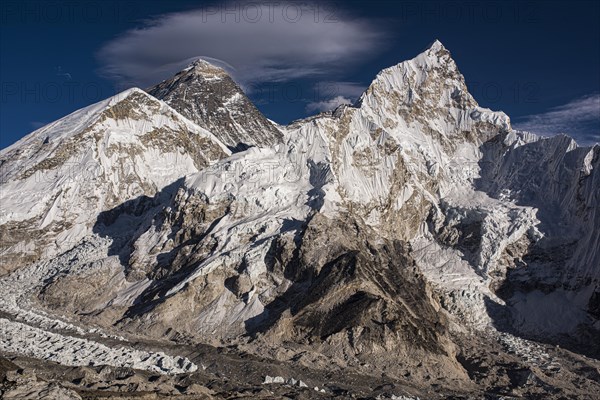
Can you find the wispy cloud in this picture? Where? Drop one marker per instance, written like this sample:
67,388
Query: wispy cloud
271,42
351,90
37,124
579,119
331,95
327,105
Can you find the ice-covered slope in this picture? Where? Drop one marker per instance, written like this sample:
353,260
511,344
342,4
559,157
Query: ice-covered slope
553,285
408,161
208,96
56,180
371,235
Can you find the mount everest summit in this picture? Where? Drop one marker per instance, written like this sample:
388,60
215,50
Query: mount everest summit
412,244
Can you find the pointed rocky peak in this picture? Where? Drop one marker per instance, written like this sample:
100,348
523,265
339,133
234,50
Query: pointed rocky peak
436,49
429,89
133,103
433,73
207,95
434,56
203,68
436,46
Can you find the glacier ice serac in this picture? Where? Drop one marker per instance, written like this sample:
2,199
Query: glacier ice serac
375,237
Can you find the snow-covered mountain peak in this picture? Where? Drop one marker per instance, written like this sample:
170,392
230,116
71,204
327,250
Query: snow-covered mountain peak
63,127
126,93
119,119
433,71
58,178
436,46
428,91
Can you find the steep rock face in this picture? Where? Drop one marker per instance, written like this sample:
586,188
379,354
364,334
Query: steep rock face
358,298
559,273
208,96
561,181
56,180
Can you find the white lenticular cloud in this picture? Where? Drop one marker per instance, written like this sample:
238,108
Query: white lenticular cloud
257,42
579,118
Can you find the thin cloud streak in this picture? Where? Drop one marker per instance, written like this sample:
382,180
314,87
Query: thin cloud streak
579,119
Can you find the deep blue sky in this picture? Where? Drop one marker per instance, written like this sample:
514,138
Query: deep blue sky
537,61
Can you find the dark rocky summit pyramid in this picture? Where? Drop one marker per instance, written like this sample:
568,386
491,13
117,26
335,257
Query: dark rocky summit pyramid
207,95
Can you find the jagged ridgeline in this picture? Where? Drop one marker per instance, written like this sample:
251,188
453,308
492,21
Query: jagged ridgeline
413,243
